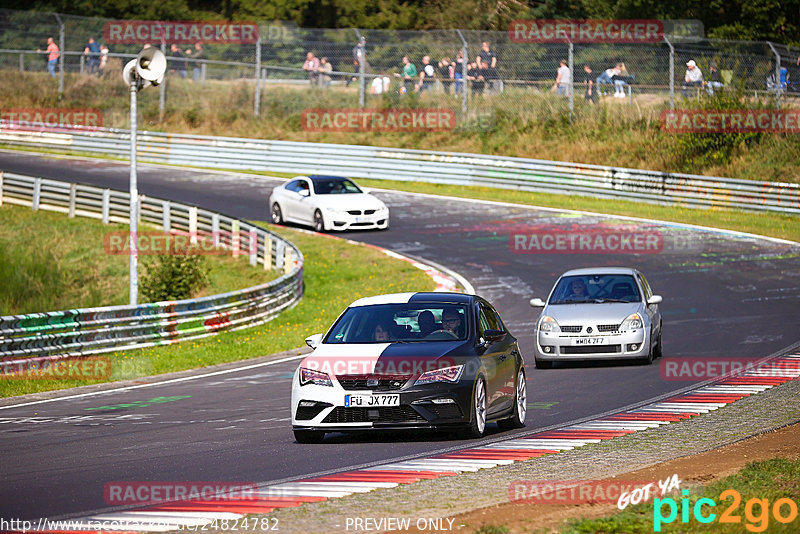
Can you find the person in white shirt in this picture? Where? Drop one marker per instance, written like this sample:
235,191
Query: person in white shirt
563,79
380,85
692,78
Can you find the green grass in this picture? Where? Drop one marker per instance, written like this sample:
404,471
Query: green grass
525,123
771,480
336,273
50,262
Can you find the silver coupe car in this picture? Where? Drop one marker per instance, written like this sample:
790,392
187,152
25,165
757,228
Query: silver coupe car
598,313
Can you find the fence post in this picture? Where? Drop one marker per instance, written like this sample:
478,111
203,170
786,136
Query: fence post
235,238
82,57
778,88
253,247
73,189
193,225
671,74
362,58
203,72
571,79
60,56
463,73
162,89
257,96
267,252
37,190
1,188
22,62
215,229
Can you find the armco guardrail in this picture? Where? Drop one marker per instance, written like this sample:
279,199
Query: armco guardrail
61,334
420,165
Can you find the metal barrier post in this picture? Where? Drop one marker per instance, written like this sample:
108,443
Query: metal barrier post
22,62
37,191
166,216
162,90
253,247
1,188
671,73
257,96
106,205
73,189
133,203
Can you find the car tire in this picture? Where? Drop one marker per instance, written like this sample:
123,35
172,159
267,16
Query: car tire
277,214
659,351
309,436
319,222
477,424
517,419
542,364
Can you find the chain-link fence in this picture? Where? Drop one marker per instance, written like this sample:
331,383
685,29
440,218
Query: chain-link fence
473,73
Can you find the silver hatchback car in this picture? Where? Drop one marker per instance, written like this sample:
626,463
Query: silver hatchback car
598,313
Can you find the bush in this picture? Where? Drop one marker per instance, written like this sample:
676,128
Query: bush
173,276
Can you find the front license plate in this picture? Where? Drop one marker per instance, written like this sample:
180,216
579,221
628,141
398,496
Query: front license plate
588,341
358,401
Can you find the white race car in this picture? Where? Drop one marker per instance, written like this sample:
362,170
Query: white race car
327,203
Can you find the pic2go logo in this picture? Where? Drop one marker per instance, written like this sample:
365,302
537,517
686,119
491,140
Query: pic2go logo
756,511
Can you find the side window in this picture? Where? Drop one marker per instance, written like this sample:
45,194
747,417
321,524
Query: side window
483,322
293,185
489,316
500,325
302,186
647,291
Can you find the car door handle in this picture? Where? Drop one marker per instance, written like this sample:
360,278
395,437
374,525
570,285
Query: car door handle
515,352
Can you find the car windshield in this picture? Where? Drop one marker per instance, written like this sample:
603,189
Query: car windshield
595,289
400,323
335,186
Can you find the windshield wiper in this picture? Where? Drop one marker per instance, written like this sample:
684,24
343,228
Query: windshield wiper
603,301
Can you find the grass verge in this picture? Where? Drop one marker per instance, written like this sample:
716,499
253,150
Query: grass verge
760,486
336,273
51,262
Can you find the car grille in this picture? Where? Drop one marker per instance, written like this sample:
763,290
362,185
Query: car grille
369,212
355,382
591,349
354,212
571,329
393,414
607,327
444,411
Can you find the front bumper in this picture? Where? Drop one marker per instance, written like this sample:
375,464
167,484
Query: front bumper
558,346
341,221
416,409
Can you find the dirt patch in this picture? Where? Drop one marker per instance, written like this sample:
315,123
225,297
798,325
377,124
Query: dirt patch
702,468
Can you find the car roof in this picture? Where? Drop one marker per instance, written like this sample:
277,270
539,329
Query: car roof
321,177
421,297
600,270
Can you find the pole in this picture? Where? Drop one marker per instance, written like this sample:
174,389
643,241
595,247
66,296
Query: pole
463,73
671,74
133,289
778,88
162,91
362,57
60,56
257,97
571,81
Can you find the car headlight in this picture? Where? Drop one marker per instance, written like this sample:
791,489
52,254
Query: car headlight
548,324
632,322
446,374
312,376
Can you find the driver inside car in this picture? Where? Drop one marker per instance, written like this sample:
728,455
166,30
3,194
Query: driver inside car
426,322
451,322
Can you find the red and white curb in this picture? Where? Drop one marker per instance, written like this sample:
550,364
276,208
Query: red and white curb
171,516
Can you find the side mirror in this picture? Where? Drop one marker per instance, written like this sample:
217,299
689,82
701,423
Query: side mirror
493,335
537,303
305,193
655,299
314,341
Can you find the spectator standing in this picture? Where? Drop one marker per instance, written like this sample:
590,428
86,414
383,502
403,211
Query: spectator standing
475,75
458,71
196,54
563,79
489,62
180,61
358,50
446,72
311,65
53,54
692,78
409,73
426,75
92,53
325,69
588,80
